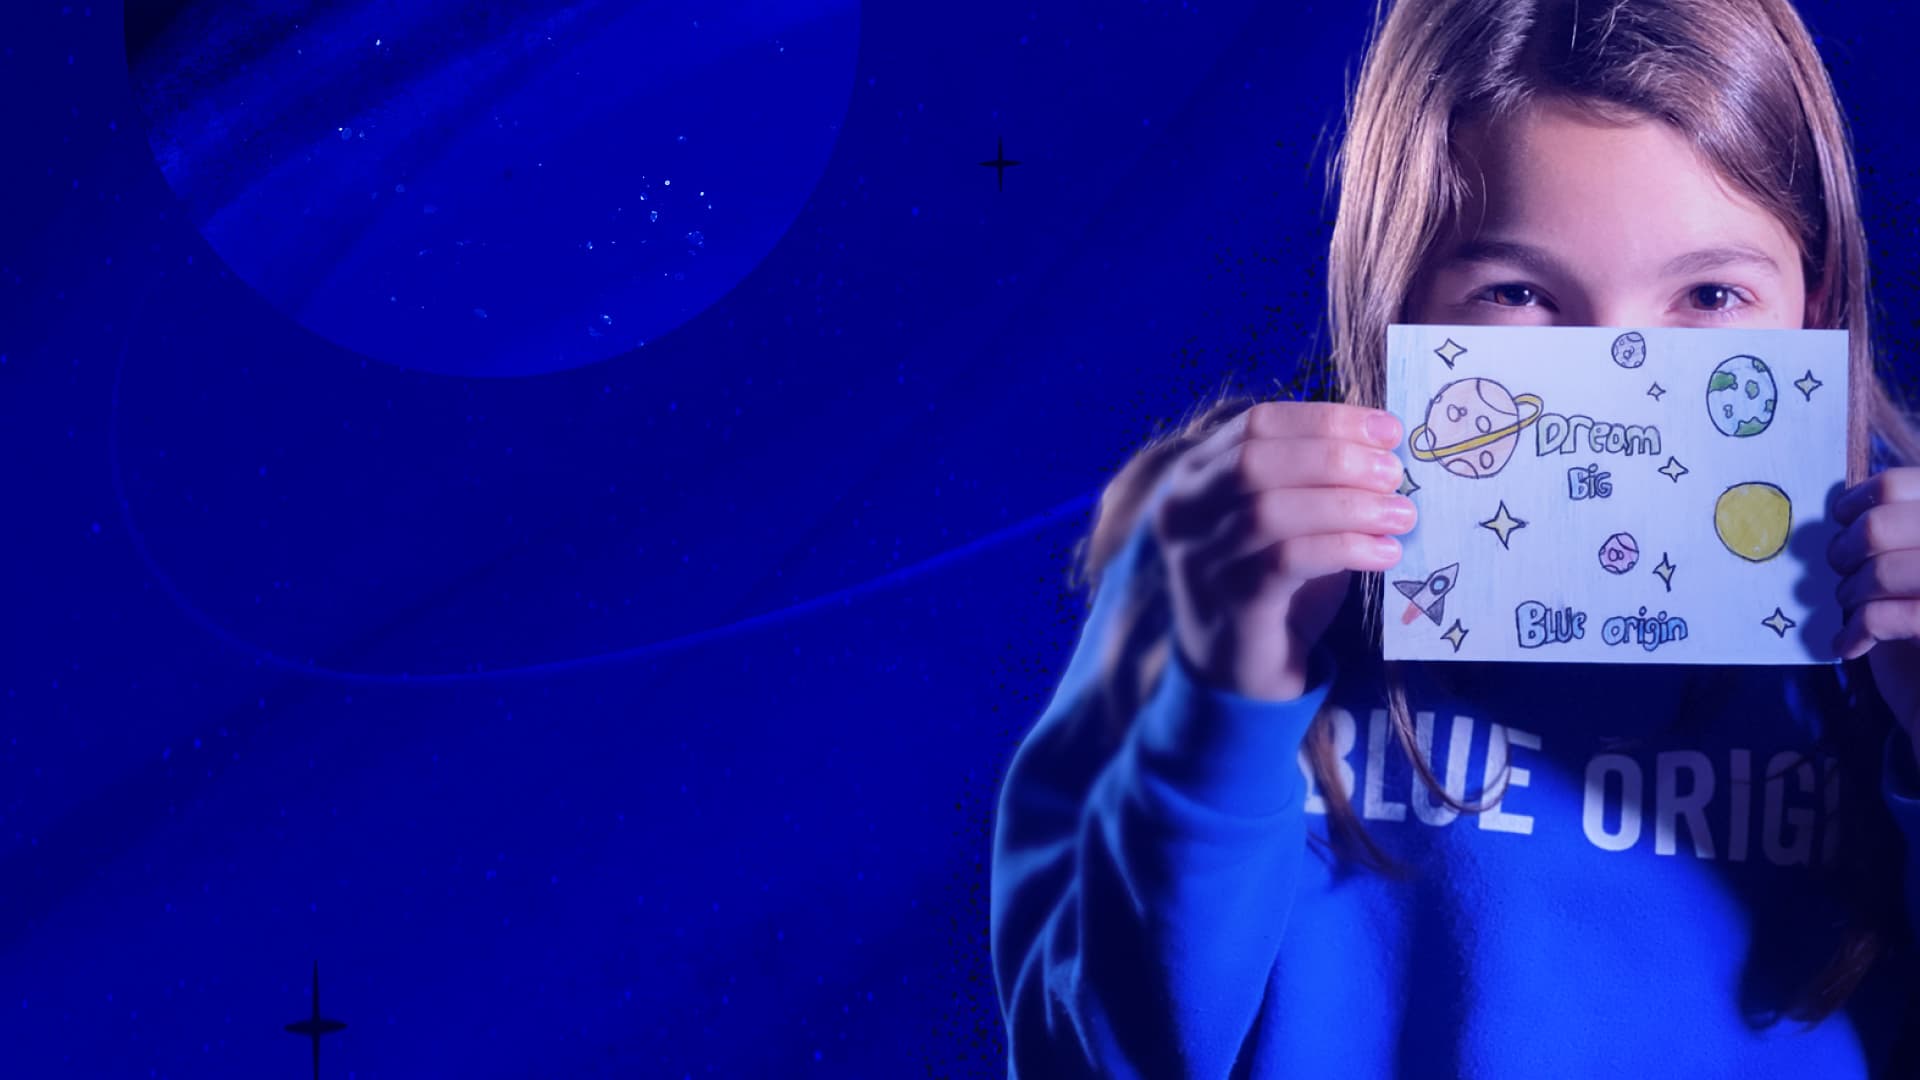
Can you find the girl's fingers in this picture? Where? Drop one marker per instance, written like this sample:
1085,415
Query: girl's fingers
1889,619
1273,516
1304,558
1888,574
1877,529
1901,484
1301,420
1267,464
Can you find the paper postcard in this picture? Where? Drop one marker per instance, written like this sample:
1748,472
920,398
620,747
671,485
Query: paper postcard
1617,495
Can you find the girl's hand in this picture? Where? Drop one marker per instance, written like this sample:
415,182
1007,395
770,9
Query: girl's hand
1262,525
1878,554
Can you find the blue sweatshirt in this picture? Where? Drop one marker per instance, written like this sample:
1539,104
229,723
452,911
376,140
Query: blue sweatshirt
1648,894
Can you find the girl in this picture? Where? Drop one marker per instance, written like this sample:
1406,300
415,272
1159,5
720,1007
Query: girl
1237,843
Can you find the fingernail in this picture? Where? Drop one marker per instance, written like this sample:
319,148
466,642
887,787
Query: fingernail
1388,548
1388,469
1383,428
1398,512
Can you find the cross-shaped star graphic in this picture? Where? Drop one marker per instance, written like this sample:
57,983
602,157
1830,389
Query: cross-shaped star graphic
1503,524
1450,352
1673,470
1407,486
1000,164
1665,571
1778,623
316,1025
1655,391
1807,384
1455,634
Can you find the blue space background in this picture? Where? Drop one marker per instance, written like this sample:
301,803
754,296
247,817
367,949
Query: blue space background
560,513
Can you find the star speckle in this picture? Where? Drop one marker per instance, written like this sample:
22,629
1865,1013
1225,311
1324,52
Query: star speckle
1455,634
1807,384
1503,524
1450,352
1673,470
1655,391
1778,623
1665,571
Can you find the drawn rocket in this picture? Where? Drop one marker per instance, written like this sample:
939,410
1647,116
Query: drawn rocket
1429,596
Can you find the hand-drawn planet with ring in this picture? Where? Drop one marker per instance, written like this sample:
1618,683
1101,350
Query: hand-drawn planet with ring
1472,426
1740,396
1630,349
1753,520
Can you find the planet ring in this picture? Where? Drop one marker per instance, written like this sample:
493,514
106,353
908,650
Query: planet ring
1433,453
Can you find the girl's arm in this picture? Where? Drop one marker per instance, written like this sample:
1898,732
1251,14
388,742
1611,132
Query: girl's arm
1900,785
1139,897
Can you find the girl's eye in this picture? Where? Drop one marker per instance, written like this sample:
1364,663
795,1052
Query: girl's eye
1716,297
1512,295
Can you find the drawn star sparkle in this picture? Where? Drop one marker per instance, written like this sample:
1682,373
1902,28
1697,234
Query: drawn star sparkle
1655,391
1807,384
1673,470
1450,352
1407,485
1778,623
1665,571
1503,524
1455,634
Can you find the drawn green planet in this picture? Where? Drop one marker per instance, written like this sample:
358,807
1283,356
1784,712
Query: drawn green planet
1740,396
1753,520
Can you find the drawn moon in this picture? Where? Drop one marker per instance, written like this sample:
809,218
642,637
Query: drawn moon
1619,554
1753,520
1630,349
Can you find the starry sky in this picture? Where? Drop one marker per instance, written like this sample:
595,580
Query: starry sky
617,682
491,190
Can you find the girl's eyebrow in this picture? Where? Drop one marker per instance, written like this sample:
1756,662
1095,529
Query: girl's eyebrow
1536,261
1706,259
1525,256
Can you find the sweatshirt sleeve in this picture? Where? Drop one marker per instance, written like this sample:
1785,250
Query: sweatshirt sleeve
1900,786
1139,894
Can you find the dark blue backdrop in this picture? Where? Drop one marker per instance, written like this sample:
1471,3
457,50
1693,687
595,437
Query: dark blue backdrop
375,598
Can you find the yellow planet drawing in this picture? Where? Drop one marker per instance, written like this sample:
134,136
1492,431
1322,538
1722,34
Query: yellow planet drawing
1753,520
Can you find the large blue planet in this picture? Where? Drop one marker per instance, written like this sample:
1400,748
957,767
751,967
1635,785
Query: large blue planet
518,188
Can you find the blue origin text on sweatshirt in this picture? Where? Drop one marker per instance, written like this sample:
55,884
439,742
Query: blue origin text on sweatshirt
1654,883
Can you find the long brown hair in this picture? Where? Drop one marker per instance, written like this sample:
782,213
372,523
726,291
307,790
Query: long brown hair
1743,80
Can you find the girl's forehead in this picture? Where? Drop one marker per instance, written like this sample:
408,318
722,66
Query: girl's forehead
1554,170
